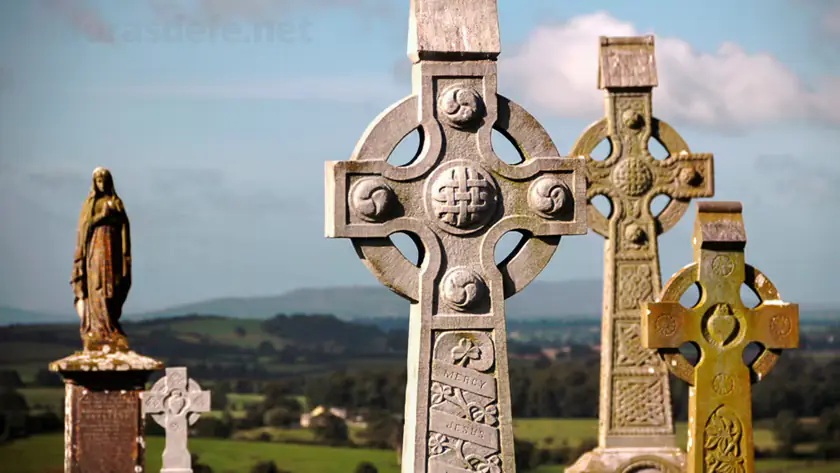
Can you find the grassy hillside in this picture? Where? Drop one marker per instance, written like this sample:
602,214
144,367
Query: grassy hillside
44,454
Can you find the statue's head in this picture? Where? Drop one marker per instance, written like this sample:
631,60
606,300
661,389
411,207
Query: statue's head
103,183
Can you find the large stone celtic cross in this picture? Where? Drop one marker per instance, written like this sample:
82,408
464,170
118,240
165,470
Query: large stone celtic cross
636,429
457,200
721,326
175,402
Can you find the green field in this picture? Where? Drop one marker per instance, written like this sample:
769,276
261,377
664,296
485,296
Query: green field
43,454
574,431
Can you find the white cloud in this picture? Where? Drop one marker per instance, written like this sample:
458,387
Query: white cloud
557,68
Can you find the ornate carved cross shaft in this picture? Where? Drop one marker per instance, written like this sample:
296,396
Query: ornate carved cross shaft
721,326
457,200
635,408
175,402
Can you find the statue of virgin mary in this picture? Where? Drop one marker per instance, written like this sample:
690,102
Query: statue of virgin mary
102,266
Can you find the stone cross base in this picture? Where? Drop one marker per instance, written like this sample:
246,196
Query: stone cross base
630,460
103,425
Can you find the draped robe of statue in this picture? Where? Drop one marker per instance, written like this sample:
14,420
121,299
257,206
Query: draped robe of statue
102,266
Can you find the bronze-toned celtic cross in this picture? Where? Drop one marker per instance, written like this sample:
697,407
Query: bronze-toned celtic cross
636,427
457,200
721,327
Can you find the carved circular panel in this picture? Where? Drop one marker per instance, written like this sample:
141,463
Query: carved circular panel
690,176
461,197
459,106
547,196
371,199
633,119
722,265
780,325
462,288
633,177
666,325
723,384
634,235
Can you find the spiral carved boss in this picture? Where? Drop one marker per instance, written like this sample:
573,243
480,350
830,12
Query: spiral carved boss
457,199
721,326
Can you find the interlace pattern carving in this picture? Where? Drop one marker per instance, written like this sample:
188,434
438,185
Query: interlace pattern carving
463,197
639,403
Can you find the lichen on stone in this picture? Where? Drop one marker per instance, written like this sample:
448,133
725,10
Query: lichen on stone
106,360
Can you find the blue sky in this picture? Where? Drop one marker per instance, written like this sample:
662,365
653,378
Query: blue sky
216,118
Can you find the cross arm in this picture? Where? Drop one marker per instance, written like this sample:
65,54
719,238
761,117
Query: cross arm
555,193
152,402
775,324
200,401
363,202
667,325
686,175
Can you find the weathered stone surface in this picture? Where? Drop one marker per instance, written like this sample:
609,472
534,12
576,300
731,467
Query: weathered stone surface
105,431
103,425
457,200
721,326
453,30
175,402
636,426
105,360
101,275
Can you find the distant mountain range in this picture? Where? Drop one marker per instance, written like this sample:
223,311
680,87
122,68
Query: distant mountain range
541,300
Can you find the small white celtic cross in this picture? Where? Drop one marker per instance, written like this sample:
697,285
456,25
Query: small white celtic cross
175,402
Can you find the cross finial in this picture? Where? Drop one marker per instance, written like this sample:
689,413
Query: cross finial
720,226
627,62
453,30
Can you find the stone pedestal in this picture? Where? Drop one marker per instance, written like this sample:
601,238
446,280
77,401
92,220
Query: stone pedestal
630,460
103,424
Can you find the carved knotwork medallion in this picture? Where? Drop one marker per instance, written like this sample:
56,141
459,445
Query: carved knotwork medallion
633,177
462,197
